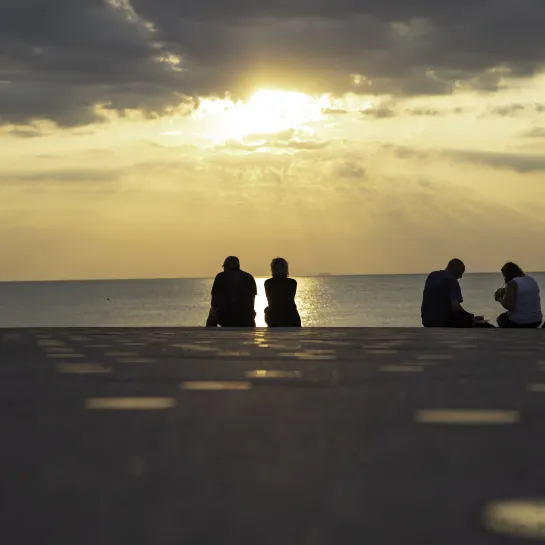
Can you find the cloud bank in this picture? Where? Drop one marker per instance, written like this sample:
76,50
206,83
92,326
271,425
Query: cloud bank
72,62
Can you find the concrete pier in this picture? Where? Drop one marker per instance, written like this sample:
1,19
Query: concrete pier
311,437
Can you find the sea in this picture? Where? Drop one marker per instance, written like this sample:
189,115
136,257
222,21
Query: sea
325,301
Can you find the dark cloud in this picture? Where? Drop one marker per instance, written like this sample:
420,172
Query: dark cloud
59,59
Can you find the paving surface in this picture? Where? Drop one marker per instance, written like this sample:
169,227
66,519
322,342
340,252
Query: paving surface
311,437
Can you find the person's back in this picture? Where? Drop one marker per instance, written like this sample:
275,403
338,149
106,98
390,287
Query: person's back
280,291
527,309
233,295
440,289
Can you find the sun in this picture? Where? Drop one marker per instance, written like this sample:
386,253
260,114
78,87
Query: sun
267,111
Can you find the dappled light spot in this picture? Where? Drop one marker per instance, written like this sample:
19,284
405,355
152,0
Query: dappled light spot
266,374
82,369
130,403
466,416
522,518
63,355
210,385
137,360
401,369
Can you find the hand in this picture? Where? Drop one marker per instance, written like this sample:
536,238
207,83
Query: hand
500,292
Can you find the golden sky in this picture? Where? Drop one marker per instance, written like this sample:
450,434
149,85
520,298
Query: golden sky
372,176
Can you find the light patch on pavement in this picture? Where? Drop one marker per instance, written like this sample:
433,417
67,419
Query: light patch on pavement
63,355
536,388
402,369
130,403
137,360
209,385
121,354
466,417
136,466
522,518
308,355
265,374
433,357
82,369
194,347
233,353
52,343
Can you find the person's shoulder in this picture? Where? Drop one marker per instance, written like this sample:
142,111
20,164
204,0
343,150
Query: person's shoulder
248,276
220,275
292,281
434,274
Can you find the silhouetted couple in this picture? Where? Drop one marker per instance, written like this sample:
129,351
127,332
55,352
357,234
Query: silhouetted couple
234,292
442,299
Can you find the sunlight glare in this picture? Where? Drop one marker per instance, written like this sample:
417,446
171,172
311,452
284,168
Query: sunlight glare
266,112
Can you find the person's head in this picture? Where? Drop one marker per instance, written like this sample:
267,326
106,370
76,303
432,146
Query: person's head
279,267
456,267
231,263
511,270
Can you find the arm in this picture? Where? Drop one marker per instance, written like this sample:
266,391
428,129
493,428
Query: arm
456,298
216,291
268,291
509,299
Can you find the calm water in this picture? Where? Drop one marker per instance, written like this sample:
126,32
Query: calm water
336,301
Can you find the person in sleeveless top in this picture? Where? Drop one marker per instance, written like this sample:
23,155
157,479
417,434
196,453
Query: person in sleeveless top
520,298
280,290
233,297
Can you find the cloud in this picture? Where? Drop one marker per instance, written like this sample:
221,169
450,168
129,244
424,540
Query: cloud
71,61
511,110
61,60
424,112
508,110
25,132
379,112
62,176
334,111
293,144
536,132
521,163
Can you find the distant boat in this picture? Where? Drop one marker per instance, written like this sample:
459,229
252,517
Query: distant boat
323,274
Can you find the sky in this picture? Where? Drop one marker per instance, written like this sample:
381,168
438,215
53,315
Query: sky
152,138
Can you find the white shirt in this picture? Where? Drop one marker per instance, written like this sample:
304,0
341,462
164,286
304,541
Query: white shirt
527,308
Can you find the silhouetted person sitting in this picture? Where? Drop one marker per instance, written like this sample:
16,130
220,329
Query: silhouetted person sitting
233,297
520,297
280,291
442,299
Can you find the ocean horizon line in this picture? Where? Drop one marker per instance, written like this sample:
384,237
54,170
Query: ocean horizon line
321,275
